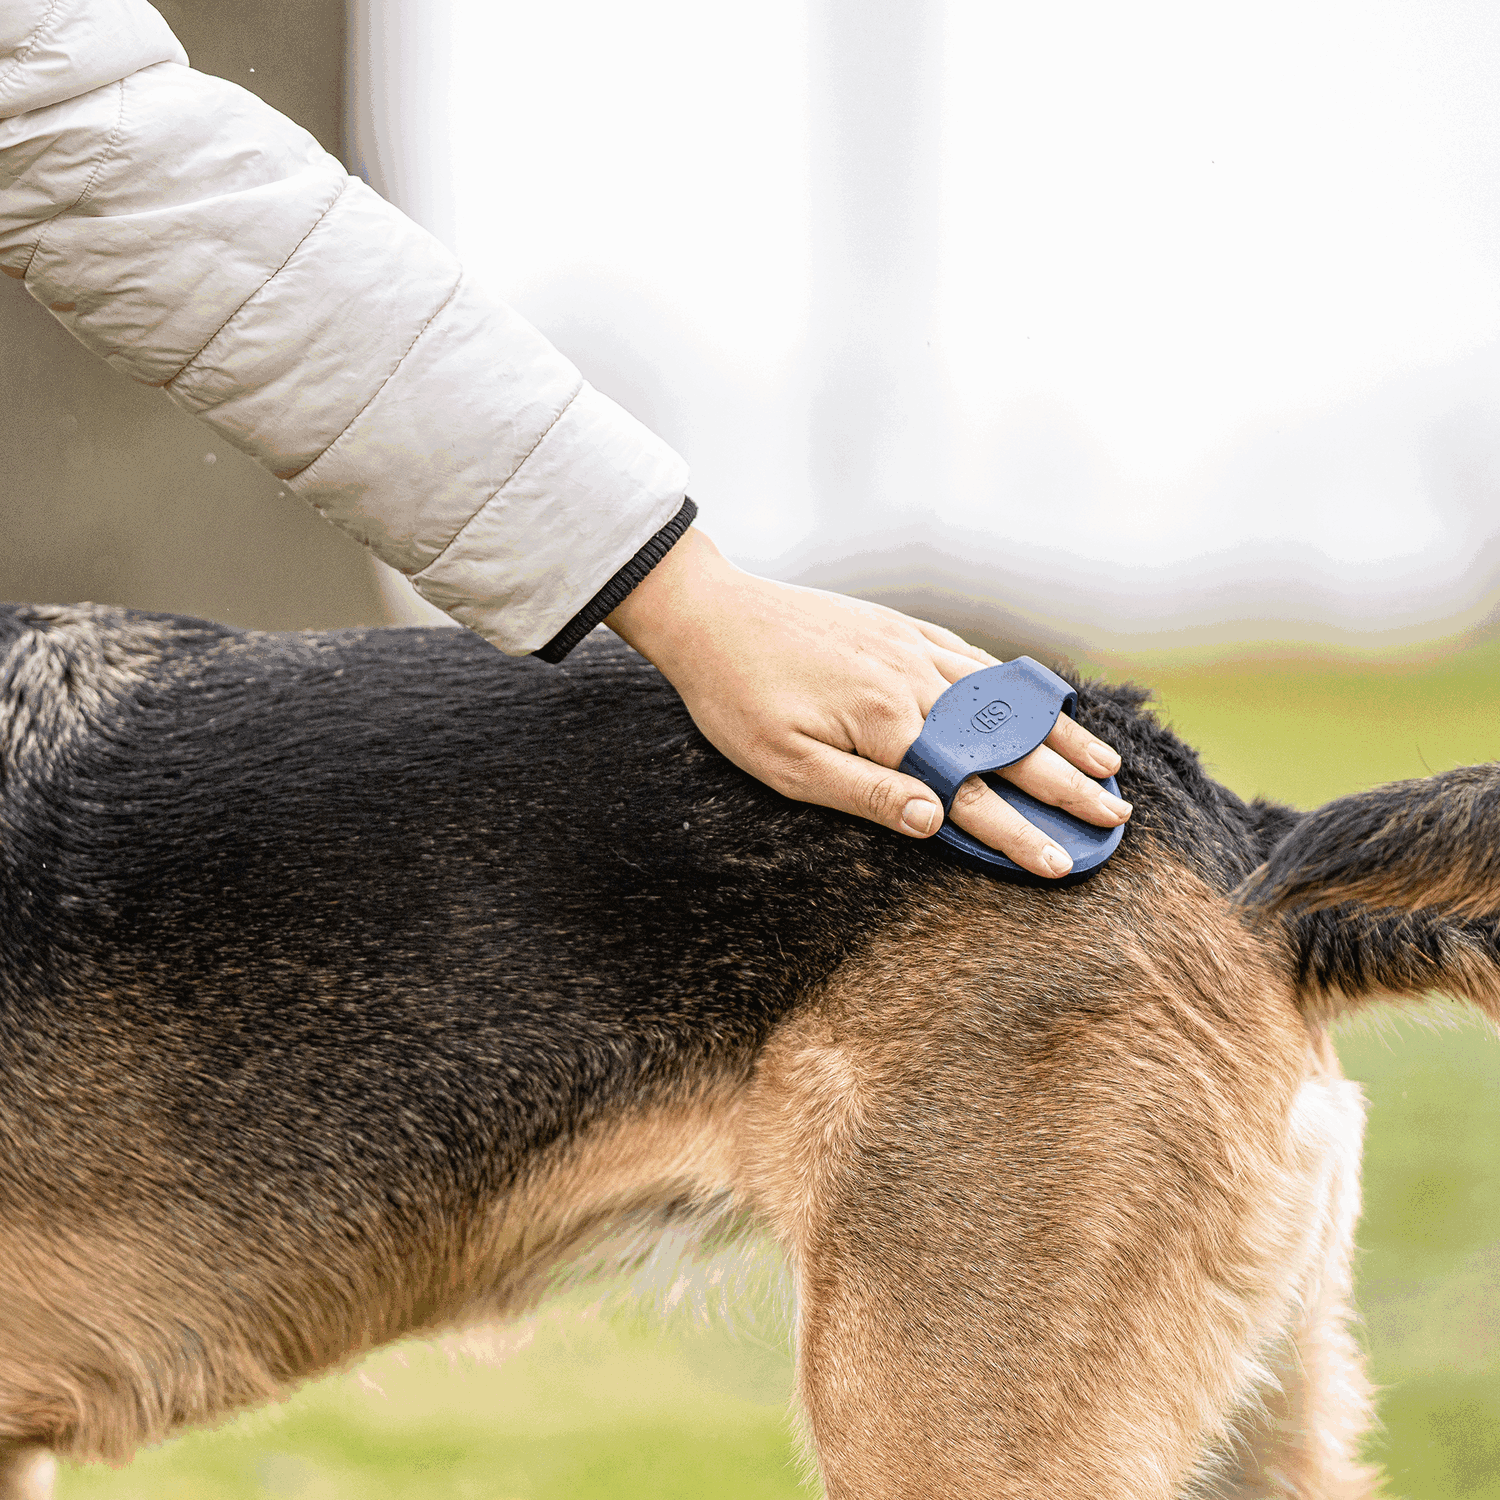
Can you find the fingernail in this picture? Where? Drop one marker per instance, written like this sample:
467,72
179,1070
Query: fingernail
920,815
1106,759
1118,806
1056,860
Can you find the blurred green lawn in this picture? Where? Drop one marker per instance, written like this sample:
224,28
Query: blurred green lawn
589,1405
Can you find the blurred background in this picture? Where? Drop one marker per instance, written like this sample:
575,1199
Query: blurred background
1166,338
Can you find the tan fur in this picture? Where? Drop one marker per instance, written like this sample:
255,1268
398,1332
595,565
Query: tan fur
100,1378
605,1193
1092,1251
1064,1272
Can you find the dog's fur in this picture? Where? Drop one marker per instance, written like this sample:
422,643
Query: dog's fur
351,983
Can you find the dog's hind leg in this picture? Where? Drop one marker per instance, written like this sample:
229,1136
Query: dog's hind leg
1035,1215
26,1472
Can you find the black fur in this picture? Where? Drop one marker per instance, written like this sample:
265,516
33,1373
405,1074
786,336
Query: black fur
1351,952
1392,889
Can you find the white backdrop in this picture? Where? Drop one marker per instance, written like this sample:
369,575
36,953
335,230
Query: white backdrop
1145,317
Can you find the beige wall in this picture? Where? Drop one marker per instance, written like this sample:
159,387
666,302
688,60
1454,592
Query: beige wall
107,491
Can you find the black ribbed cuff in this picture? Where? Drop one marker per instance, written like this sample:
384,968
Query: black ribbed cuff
619,587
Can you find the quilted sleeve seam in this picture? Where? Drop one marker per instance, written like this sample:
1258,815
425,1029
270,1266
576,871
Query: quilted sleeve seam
500,488
245,301
38,35
365,405
110,146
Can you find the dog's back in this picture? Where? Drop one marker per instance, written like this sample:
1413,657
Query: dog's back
351,982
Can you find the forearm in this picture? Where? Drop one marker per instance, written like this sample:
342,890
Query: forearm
202,243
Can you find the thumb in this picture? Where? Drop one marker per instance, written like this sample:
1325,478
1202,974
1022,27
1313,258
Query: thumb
851,784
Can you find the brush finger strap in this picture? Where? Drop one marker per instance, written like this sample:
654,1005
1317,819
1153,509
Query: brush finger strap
984,722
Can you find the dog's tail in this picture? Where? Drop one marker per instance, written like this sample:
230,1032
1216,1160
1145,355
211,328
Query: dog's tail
1392,892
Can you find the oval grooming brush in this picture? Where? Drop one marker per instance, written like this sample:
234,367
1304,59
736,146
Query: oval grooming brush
984,722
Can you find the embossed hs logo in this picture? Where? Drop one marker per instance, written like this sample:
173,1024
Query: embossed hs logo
991,716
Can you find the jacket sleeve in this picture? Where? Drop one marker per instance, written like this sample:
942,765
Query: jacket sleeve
201,242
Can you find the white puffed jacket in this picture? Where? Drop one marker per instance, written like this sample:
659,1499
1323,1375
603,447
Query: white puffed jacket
201,242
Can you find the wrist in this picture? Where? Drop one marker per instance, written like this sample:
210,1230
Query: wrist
666,609
620,586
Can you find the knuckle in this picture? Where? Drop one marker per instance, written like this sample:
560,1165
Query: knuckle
1024,835
870,707
881,800
971,794
887,730
794,776
1081,786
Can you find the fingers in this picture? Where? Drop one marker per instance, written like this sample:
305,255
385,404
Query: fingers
993,821
1049,778
1060,772
953,665
838,779
1088,753
950,641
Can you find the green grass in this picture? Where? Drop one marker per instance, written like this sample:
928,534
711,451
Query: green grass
1429,1270
1307,729
587,1406
573,1405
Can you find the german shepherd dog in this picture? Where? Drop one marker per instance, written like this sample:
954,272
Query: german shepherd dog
351,983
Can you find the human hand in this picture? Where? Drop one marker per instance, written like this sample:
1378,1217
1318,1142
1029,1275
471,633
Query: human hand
819,696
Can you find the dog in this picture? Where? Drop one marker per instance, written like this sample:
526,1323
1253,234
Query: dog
352,983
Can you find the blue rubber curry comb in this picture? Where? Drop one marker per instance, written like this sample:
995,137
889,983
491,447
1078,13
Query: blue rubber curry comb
993,718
